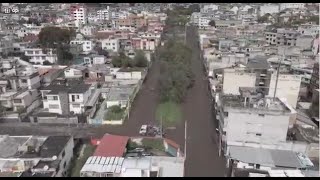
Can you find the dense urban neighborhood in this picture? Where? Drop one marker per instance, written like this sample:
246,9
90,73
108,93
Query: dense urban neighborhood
159,89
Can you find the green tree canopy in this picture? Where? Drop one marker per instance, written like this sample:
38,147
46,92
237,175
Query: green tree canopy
52,37
212,23
140,59
168,114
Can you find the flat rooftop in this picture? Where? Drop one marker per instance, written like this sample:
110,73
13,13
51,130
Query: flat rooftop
263,104
120,93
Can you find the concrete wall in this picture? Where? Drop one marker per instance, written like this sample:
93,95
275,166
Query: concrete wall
244,127
72,73
56,120
233,80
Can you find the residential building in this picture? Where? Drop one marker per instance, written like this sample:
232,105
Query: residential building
39,56
314,82
32,156
269,8
304,42
88,30
87,45
268,162
95,59
257,73
109,161
286,37
111,44
104,14
308,29
79,15
64,99
284,6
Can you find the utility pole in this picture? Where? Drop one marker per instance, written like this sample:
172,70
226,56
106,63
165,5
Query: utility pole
278,72
185,139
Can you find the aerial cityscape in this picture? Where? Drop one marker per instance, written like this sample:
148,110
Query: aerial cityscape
159,89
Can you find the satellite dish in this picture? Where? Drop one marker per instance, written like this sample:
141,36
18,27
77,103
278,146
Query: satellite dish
46,167
54,157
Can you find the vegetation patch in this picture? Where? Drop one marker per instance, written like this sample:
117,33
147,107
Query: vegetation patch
168,114
114,113
150,143
77,164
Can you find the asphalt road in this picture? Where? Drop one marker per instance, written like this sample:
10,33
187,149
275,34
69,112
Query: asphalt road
202,148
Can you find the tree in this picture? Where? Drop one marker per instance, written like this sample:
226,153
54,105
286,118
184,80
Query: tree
116,61
140,59
168,114
59,39
264,18
25,58
46,62
212,23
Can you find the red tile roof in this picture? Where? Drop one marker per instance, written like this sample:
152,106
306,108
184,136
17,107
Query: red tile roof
111,145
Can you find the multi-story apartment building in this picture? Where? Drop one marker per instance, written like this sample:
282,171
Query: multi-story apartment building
38,55
111,44
78,14
263,78
87,45
64,99
104,14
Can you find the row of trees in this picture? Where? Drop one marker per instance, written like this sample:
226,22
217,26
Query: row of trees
176,74
124,61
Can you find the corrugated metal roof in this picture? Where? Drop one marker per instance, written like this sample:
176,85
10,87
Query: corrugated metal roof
103,164
266,157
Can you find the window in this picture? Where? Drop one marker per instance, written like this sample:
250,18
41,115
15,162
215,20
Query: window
225,114
55,98
24,80
17,101
64,164
258,134
63,153
53,106
262,115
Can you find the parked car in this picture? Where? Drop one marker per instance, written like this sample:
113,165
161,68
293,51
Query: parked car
146,154
132,155
138,150
143,130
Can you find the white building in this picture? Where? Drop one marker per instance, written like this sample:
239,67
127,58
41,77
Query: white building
87,45
38,56
79,15
87,30
291,6
62,99
104,14
269,8
111,44
95,59
74,71
209,8
203,22
309,29
288,86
